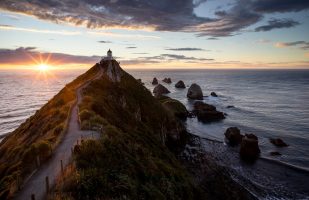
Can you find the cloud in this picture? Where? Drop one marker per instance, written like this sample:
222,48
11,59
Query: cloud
105,42
10,16
276,24
183,57
307,54
31,56
131,47
118,35
185,49
263,41
163,15
271,6
299,44
61,32
212,38
141,53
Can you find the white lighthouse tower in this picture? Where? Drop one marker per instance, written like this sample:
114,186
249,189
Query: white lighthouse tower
109,55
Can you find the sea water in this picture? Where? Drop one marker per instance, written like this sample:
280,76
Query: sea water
267,103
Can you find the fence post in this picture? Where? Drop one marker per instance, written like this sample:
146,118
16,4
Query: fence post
18,182
38,161
32,197
61,167
47,184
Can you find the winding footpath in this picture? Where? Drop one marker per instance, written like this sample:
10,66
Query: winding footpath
36,184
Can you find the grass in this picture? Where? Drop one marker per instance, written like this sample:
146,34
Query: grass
37,137
131,159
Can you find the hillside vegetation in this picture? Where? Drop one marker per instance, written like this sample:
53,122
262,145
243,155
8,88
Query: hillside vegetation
33,141
130,160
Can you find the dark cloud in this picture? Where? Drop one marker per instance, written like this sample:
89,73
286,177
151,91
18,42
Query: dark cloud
104,42
270,6
276,24
185,49
131,47
5,25
162,15
212,38
28,55
220,13
164,58
183,57
299,44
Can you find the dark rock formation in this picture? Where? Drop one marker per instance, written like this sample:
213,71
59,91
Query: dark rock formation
233,136
180,84
275,153
249,149
160,89
278,142
213,94
230,106
155,81
206,112
167,80
174,106
140,81
191,115
195,92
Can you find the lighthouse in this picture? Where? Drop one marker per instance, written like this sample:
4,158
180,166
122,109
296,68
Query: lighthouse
109,55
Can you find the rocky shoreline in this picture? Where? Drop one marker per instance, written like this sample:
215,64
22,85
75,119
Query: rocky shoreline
208,170
215,180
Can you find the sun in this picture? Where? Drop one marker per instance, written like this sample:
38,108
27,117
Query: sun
43,67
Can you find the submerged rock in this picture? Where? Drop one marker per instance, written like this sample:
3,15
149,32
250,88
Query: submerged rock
167,80
213,94
278,142
233,136
160,89
206,112
155,81
180,84
230,106
195,92
249,149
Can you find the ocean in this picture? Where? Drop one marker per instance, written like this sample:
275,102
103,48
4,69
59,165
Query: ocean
267,103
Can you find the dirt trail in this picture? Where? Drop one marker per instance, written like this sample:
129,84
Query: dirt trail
52,168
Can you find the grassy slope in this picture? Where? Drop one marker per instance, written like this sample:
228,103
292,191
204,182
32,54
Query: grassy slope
130,159
37,136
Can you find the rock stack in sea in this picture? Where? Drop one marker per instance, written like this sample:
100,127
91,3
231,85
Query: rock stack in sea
167,80
180,84
160,89
195,92
155,81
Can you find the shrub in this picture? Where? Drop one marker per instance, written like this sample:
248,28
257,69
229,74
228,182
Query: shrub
86,115
97,121
59,102
58,129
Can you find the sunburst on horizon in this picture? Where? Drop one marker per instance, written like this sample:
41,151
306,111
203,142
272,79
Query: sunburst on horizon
43,67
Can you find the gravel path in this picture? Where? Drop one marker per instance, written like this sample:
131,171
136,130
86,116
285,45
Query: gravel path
52,168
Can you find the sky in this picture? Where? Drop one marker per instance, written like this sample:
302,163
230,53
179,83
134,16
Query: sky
214,34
